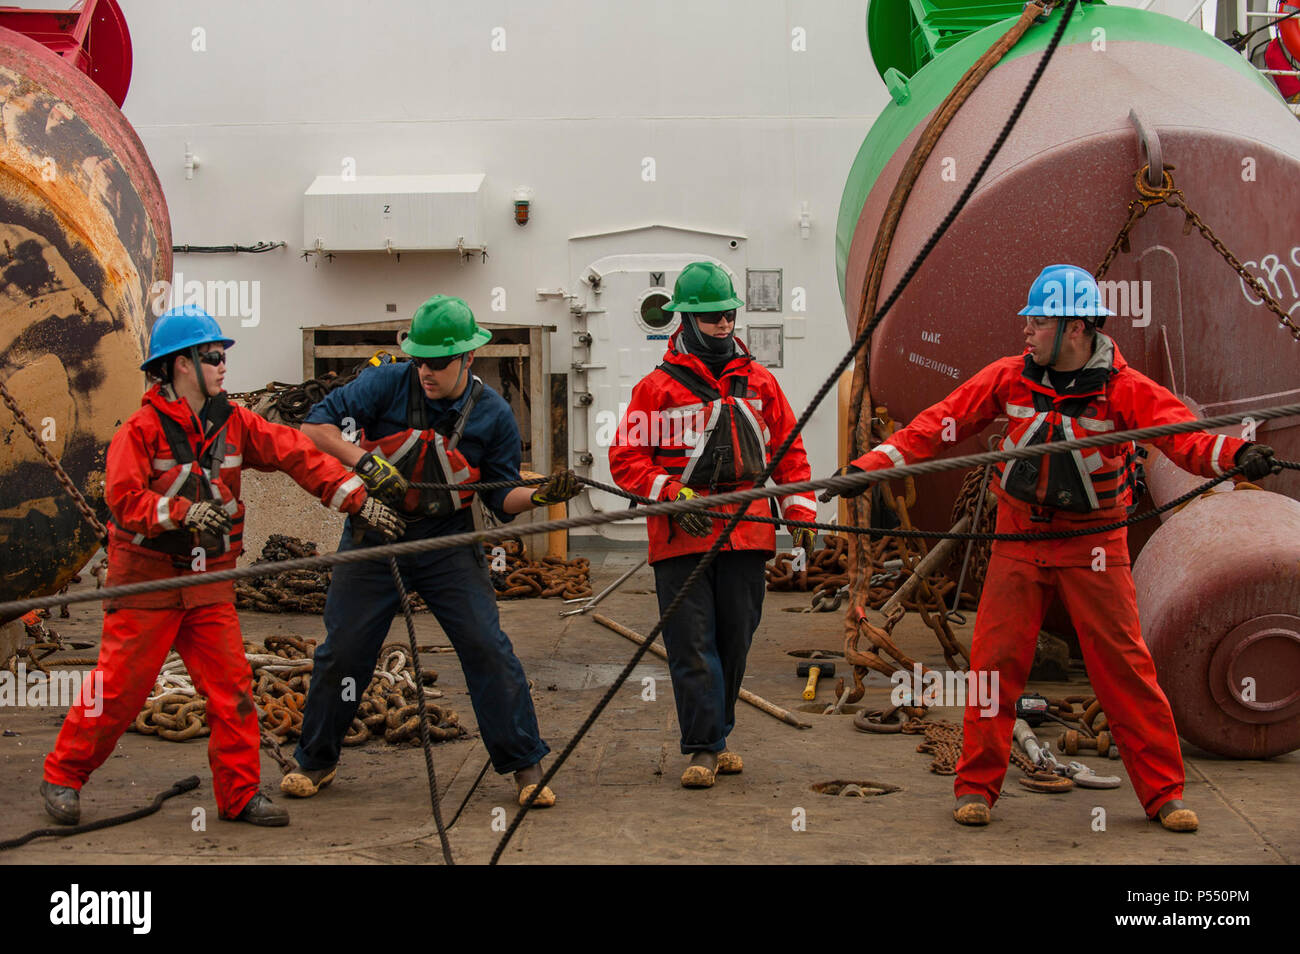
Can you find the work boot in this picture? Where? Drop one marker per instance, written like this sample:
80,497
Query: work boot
971,810
701,772
527,779
62,803
730,763
261,811
1174,817
304,783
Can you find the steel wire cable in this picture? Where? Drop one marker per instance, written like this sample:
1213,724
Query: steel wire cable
899,531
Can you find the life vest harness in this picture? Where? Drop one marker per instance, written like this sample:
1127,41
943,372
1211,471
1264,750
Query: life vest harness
731,450
422,454
1079,481
195,479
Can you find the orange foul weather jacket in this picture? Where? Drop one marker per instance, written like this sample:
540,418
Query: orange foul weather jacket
684,427
1060,491
159,463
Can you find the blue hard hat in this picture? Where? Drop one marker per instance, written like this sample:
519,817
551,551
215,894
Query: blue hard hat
1065,291
180,328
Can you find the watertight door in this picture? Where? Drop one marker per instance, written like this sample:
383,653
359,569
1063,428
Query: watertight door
629,334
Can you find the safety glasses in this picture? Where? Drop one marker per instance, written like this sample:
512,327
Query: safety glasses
713,317
213,358
435,364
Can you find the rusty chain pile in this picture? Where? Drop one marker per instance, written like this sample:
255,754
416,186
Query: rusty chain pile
304,591
389,705
295,591
546,578
281,671
943,741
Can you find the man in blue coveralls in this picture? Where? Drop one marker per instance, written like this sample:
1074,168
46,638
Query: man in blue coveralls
428,420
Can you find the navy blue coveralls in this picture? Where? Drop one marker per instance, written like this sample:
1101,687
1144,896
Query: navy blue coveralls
363,598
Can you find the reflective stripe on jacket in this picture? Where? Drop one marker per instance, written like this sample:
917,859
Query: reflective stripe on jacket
1106,395
666,428
148,489
423,455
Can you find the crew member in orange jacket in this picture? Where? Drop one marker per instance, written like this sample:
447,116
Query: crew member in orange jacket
705,421
172,489
1071,382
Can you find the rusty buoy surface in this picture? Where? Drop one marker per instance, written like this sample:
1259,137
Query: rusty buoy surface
1218,590
84,235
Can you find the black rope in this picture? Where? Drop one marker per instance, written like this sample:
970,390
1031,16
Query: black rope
425,742
179,788
707,560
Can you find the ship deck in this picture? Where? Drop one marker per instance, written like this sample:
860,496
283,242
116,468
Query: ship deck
619,796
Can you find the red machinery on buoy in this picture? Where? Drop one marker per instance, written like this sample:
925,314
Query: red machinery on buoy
91,36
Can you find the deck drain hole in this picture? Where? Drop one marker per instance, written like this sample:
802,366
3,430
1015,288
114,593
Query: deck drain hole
841,788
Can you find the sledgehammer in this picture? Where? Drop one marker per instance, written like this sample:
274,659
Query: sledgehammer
814,669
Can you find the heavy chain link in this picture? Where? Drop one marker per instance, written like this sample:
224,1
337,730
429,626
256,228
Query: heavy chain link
87,514
1168,195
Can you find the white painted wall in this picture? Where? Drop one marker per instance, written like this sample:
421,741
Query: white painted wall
743,130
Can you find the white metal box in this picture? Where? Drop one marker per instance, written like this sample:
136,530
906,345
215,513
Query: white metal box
394,213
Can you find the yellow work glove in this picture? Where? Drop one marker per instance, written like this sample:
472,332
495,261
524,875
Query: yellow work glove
381,478
806,537
696,524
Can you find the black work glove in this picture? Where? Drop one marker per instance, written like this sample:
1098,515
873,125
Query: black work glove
843,471
557,489
1258,459
379,517
805,537
207,516
381,478
696,524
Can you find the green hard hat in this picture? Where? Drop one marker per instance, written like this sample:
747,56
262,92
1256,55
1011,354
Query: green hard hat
703,286
444,326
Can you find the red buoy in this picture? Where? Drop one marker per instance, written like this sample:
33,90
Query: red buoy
1219,597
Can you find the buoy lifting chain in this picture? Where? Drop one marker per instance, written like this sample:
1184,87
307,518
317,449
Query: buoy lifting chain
1167,194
